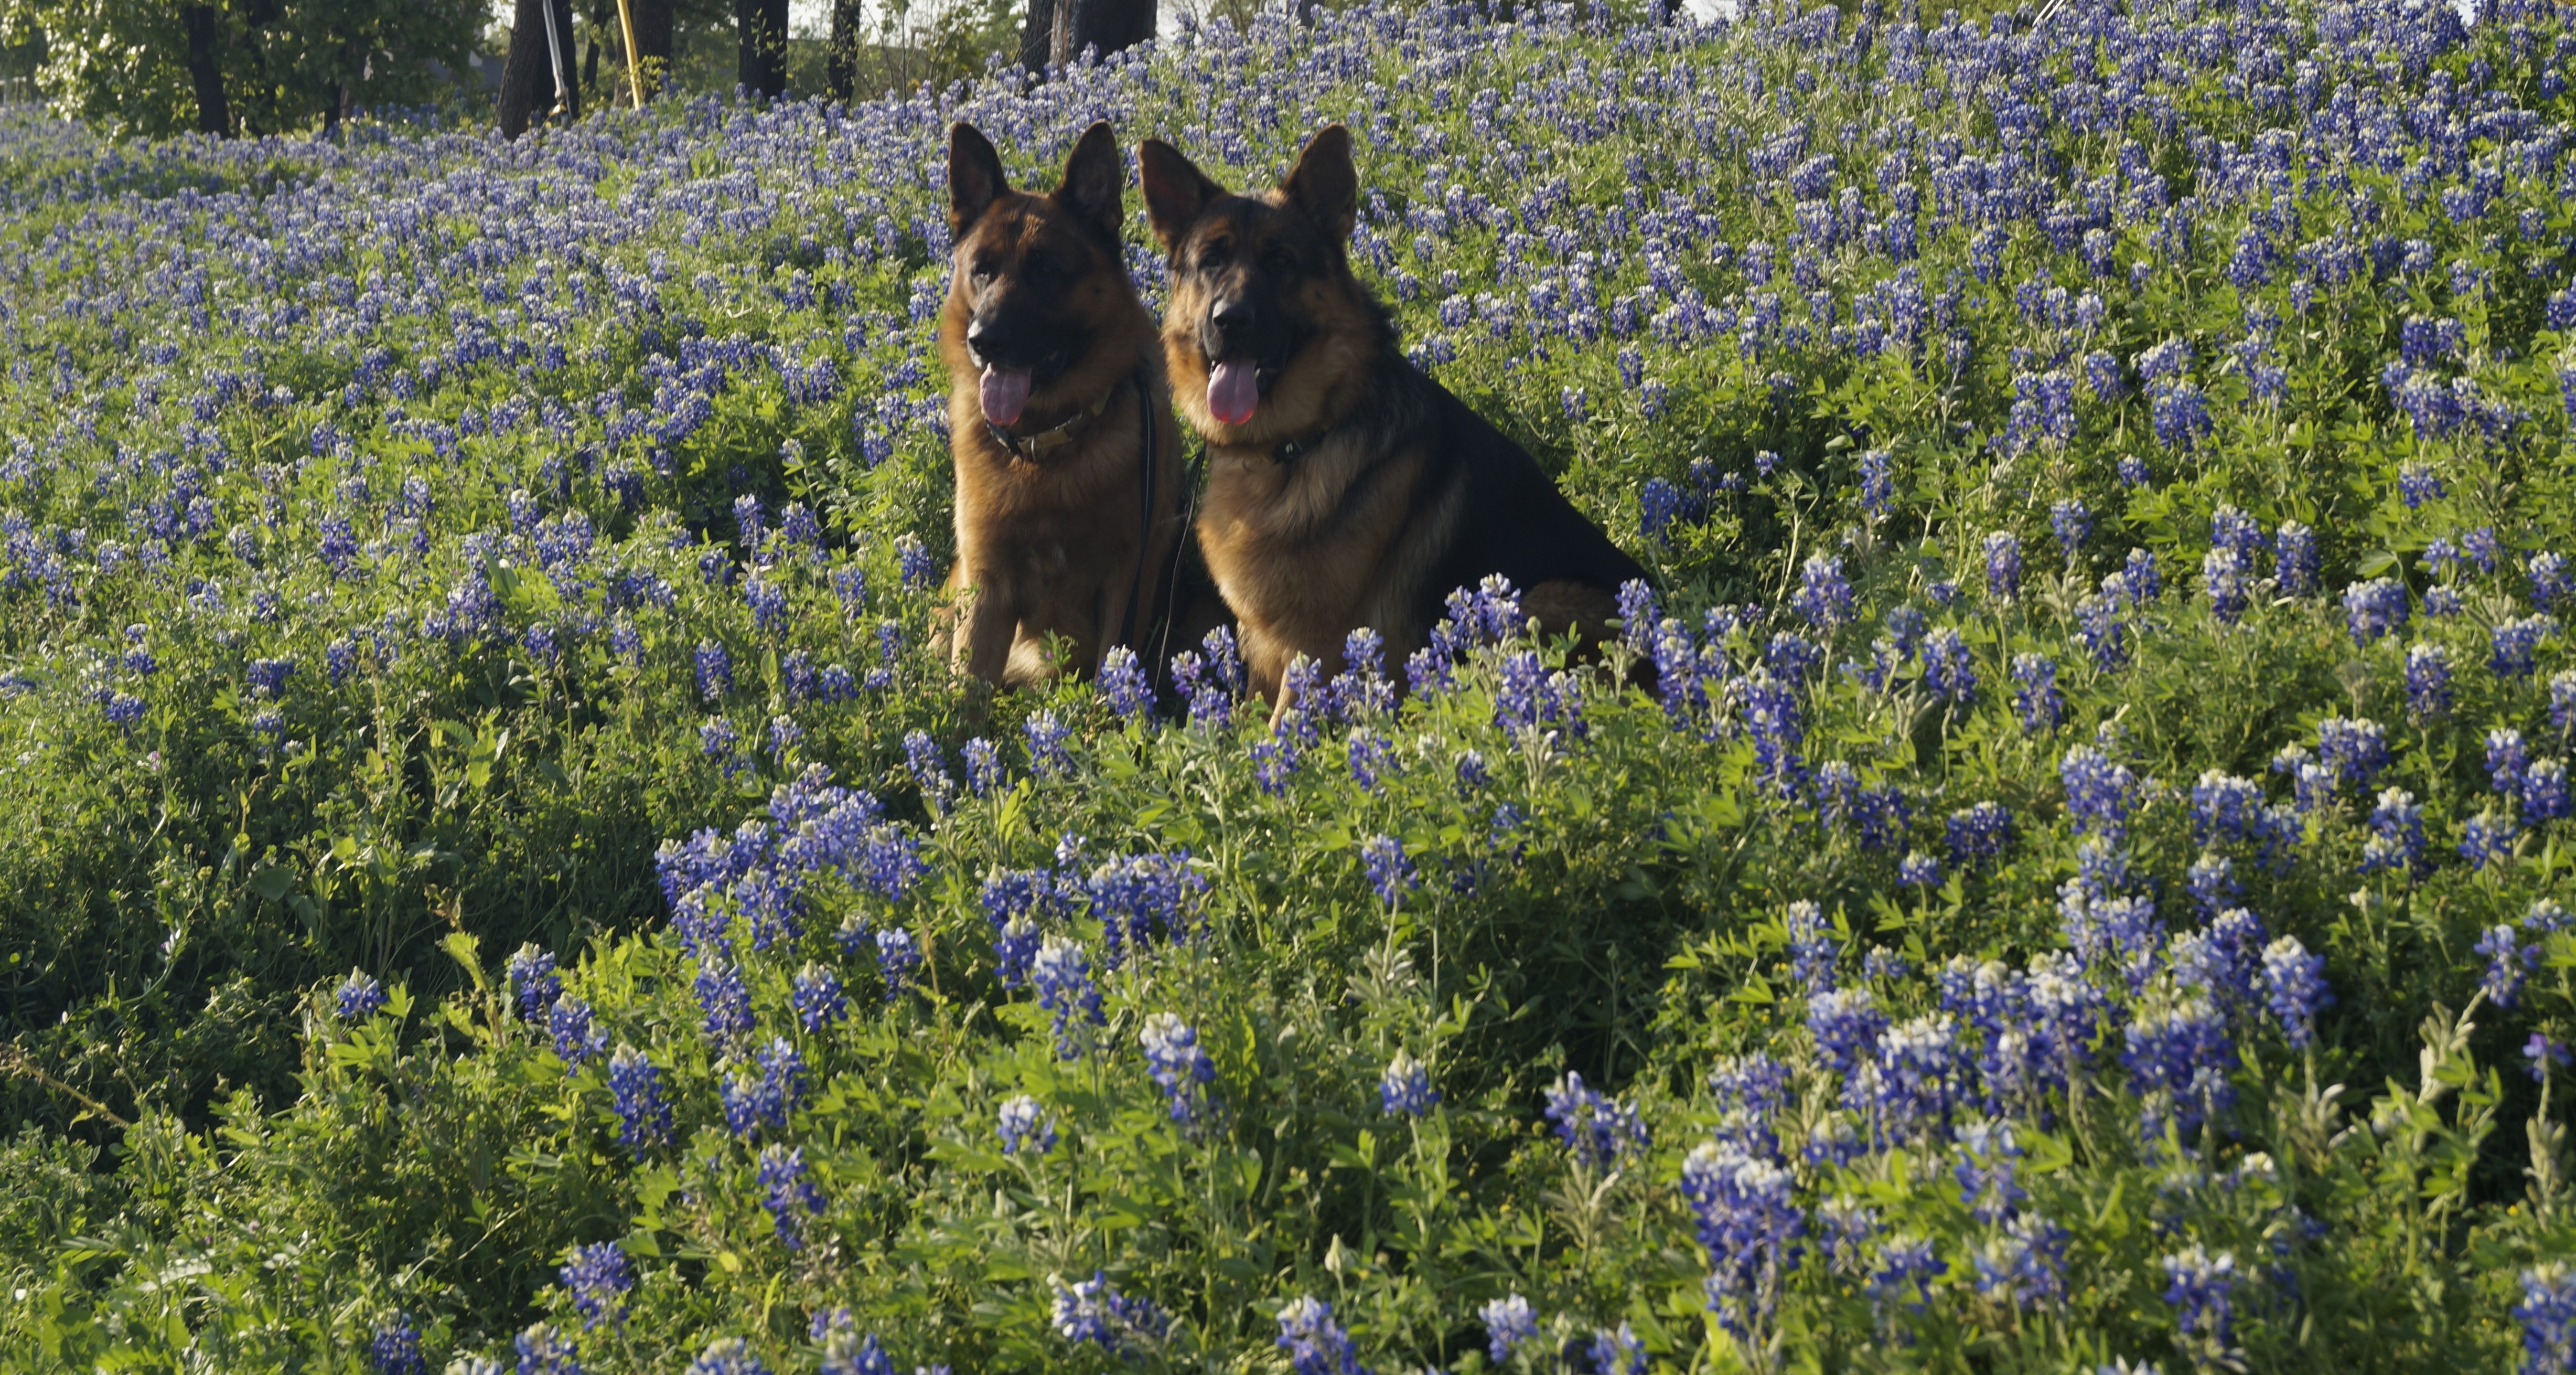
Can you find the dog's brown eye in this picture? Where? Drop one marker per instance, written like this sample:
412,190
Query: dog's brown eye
1278,259
1213,256
981,273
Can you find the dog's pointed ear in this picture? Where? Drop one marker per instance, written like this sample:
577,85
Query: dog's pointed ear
1176,191
975,178
1325,186
1094,188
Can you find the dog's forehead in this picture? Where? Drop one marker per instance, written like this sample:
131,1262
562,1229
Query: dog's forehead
1018,223
1245,217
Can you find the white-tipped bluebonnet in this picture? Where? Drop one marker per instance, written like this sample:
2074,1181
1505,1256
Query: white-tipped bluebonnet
723,997
1949,669
2141,580
2101,631
2374,609
1046,736
2428,682
2507,757
2099,793
1510,1324
2178,1055
545,1349
1179,1066
1024,1127
1845,1023
2072,522
983,765
1877,483
1094,1311
1748,1218
1919,870
752,1102
2547,1313
789,1196
2544,1054
898,960
599,1276
635,1092
359,997
1824,595
2509,963
1598,1131
2024,1263
1140,898
1616,1351
2003,565
2553,579
912,561
2226,578
1978,833
1814,946
1404,1089
2295,989
578,1037
533,981
1987,1170
2485,839
714,669
2397,834
2295,559
1061,973
728,1356
2514,645
818,998
2036,699
921,758
2202,1289
1316,1345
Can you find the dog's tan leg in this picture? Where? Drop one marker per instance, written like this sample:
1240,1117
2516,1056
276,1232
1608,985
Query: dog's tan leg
984,632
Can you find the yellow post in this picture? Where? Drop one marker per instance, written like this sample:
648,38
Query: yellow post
634,69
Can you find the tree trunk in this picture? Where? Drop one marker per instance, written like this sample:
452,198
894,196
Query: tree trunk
214,113
598,39
527,75
1037,38
761,28
652,40
841,67
1106,25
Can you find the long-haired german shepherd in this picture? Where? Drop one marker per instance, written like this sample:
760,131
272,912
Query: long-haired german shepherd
1345,488
1069,484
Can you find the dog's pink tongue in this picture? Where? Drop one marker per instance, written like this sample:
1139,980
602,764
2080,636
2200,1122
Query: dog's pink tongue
1006,393
1233,391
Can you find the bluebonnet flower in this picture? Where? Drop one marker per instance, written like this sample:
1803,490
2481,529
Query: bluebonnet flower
1361,690
578,1040
724,997
1404,1089
1919,870
766,1101
360,997
912,561
2514,645
1877,483
2234,530
396,1348
1176,1063
2374,609
2553,579
1371,757
1845,1023
2226,578
2507,757
2072,522
2543,1052
2036,699
1023,1125
1660,506
818,998
1813,946
545,1349
1948,667
2417,484
1124,684
2201,1288
1824,595
2548,1317
2295,559
2024,1263
1531,698
1142,896
2562,700
788,1195
2544,792
1616,1352
922,759
2104,636
2177,1055
1598,1130
728,1356
2509,963
1094,1311
635,1091
2486,839
1390,871
268,676
2397,834
2428,682
2481,548
1046,736
2296,988
2212,880
1986,1170
2354,749
1978,833
1062,977
533,980
2099,793
1749,1220
1316,1345
2132,471
1510,1324
2140,579
717,739
898,960
983,765
599,1275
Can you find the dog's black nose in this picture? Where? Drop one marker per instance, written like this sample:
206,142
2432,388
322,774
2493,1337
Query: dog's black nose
989,339
1230,316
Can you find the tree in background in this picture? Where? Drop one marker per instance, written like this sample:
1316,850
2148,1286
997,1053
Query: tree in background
153,67
528,75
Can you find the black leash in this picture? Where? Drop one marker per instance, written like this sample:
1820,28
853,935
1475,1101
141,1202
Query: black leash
1144,508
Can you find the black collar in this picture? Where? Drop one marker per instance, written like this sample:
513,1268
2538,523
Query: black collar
1030,448
1289,450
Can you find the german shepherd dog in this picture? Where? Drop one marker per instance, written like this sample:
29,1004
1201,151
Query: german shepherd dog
1345,488
1069,482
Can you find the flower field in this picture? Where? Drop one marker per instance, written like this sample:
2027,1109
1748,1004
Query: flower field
497,879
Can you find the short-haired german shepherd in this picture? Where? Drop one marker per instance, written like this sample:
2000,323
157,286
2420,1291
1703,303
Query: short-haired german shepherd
1345,488
1069,484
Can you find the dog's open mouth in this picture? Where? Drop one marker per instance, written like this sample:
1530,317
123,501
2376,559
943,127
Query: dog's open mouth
1235,386
1005,394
